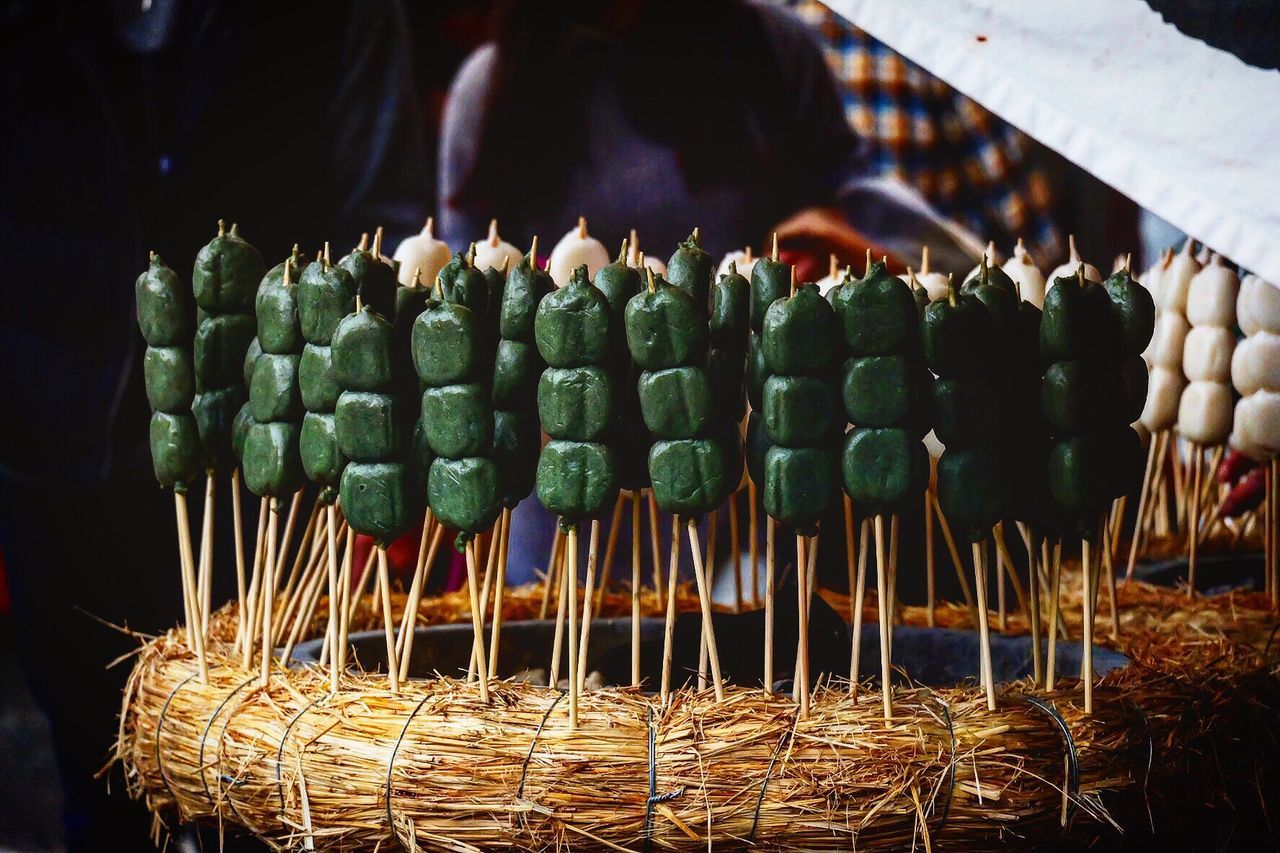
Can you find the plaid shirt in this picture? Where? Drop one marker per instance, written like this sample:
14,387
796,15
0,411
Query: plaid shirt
972,166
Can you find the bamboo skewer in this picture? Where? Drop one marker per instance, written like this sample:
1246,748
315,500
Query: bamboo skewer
388,624
1033,599
585,640
1086,663
635,590
301,593
753,533
984,629
709,563
571,571
269,590
1006,562
769,528
409,620
490,567
655,545
610,549
553,561
557,642
1193,516
1055,587
186,559
237,527
345,610
735,548
1002,610
850,558
930,569
255,586
205,576
1273,521
669,627
1148,478
955,556
704,600
500,592
332,526
477,628
860,591
883,605
282,548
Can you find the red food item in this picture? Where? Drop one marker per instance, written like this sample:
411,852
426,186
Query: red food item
1234,466
1247,495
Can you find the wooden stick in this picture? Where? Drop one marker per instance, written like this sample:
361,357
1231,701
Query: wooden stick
1108,566
709,566
769,528
587,597
1148,475
883,605
186,560
610,549
635,590
1273,473
571,569
704,599
859,596
894,615
490,566
1086,663
269,591
500,593
344,615
557,643
1033,597
1055,584
1193,516
955,556
1002,550
237,527
282,548
753,533
655,545
984,630
850,559
1118,507
331,524
205,575
806,602
308,601
553,563
1002,611
409,620
302,591
735,548
669,629
362,585
255,586
802,564
388,624
930,569
477,628
1180,475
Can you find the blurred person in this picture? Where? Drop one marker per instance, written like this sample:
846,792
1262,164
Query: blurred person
132,127
662,115
649,114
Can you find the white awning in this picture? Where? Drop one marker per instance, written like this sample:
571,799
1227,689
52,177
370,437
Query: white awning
1188,131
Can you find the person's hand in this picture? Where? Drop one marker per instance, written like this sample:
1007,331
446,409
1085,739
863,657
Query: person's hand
810,236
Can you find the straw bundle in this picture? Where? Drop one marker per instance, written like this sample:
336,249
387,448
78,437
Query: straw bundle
435,768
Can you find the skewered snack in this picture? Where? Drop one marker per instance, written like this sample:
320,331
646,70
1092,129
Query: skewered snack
374,276
272,461
1204,412
1258,306
1024,272
164,316
422,254
517,367
576,248
885,390
1176,280
1072,266
380,491
800,341
225,283
464,487
576,476
667,337
629,437
730,331
325,295
494,253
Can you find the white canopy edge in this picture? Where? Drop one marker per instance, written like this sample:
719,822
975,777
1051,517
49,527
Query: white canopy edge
1187,131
